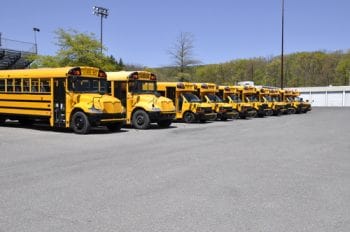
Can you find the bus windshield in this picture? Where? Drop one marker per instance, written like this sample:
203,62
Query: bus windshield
191,97
142,86
235,98
87,85
275,98
213,98
251,98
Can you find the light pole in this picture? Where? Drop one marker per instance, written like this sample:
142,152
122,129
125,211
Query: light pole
35,29
103,13
282,49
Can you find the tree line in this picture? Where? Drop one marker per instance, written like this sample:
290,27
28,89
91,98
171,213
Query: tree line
318,68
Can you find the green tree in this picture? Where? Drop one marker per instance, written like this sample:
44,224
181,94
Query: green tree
77,49
343,71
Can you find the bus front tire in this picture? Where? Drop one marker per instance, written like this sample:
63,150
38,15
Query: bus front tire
80,123
114,127
189,117
140,119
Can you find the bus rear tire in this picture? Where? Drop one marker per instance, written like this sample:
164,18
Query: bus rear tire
2,121
80,123
140,120
114,127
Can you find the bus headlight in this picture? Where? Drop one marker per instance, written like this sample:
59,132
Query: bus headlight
93,110
155,109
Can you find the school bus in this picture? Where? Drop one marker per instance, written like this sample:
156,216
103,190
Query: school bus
292,96
287,97
231,95
69,97
207,93
138,92
252,95
189,107
274,101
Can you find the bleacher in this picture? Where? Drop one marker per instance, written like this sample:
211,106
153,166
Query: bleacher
15,54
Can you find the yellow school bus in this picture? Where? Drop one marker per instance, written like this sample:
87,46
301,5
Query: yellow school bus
138,92
231,95
292,97
189,107
291,105
69,97
207,92
274,101
252,95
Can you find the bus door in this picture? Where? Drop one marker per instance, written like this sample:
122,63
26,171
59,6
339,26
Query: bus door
171,93
119,92
59,96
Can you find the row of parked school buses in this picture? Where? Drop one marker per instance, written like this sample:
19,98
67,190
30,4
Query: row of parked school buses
82,97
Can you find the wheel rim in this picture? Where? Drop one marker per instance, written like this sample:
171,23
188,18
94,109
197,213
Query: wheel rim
188,117
140,120
79,122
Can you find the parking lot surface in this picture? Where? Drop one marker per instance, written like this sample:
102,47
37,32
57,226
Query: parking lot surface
288,173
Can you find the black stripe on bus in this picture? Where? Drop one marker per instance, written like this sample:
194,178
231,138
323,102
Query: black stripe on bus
12,115
14,100
26,93
24,108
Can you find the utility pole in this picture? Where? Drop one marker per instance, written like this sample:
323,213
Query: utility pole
282,49
103,13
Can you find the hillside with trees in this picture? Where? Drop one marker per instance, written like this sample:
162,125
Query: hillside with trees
318,68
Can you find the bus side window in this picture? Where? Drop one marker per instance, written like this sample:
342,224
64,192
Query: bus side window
18,85
2,85
9,85
26,85
45,86
35,85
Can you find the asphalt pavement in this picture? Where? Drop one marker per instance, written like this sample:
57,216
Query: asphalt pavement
287,173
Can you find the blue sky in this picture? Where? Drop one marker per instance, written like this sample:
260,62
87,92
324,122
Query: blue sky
141,31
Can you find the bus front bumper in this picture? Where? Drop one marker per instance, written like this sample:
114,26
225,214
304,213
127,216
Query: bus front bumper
206,116
103,119
161,116
228,114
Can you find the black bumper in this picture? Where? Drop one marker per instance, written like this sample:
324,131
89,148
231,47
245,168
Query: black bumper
103,119
160,116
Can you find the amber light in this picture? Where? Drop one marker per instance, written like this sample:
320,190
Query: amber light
153,77
102,74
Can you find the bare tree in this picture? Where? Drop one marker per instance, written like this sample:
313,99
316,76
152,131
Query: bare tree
182,51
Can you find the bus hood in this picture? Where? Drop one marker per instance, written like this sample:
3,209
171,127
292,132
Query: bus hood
96,103
155,102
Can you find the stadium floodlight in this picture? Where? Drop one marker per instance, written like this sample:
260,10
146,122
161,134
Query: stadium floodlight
35,30
103,13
